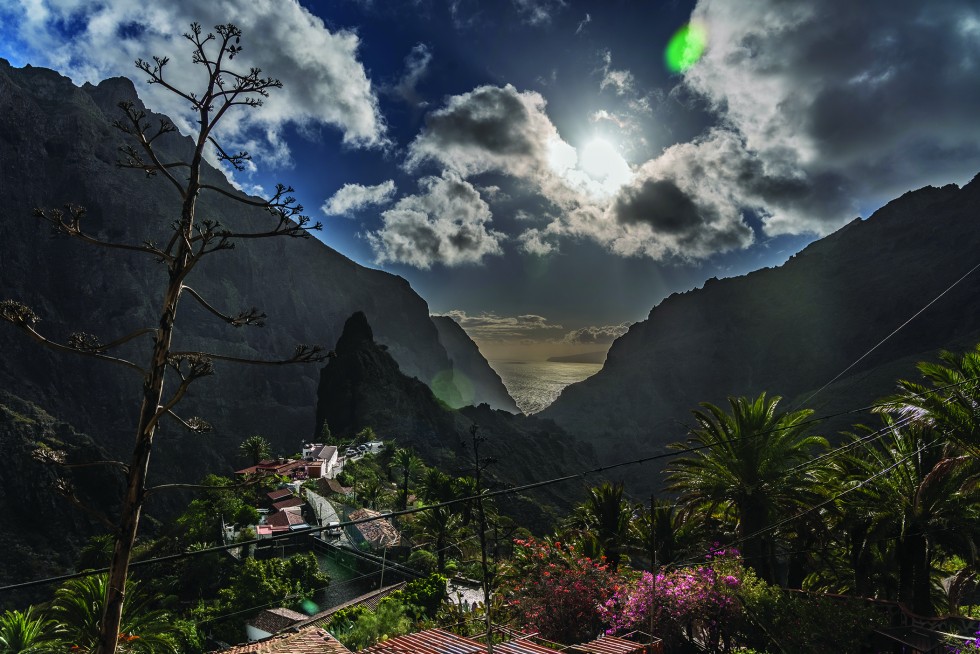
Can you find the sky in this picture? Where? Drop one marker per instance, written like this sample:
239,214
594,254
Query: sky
539,169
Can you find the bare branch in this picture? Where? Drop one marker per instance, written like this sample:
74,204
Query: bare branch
67,490
70,225
138,130
302,354
237,160
244,317
21,316
193,424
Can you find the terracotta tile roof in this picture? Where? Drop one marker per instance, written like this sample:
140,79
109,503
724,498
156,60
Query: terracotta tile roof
376,532
335,487
288,504
432,641
280,494
609,645
284,520
368,600
304,641
275,620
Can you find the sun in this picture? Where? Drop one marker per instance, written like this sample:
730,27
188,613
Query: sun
601,161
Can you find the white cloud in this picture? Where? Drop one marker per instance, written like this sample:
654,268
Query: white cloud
538,12
448,224
490,326
350,198
600,335
323,81
585,21
620,81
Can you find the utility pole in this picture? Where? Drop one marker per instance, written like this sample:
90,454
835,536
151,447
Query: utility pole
487,578
654,607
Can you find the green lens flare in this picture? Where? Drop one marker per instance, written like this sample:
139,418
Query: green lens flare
685,47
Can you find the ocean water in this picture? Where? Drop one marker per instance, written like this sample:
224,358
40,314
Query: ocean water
536,384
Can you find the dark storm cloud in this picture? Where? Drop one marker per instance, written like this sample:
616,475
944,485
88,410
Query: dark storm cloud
489,119
660,204
837,102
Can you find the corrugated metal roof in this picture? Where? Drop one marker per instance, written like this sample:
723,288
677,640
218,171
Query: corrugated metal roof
610,645
432,641
521,647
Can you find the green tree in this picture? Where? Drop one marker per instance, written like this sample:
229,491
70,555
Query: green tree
406,460
437,528
29,632
79,606
919,494
255,448
325,435
745,468
388,620
602,524
190,242
221,503
948,401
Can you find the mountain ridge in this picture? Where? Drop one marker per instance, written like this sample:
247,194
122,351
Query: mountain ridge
57,146
789,330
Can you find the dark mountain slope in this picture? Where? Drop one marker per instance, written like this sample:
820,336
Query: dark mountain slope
472,370
57,146
791,329
363,387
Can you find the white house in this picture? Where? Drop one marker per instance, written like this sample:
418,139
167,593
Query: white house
321,460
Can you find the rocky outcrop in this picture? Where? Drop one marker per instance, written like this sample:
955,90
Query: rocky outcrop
791,329
473,377
57,146
364,387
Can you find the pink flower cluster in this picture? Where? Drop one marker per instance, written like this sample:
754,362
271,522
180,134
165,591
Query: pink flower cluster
697,599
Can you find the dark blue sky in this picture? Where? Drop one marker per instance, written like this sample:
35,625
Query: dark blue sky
532,167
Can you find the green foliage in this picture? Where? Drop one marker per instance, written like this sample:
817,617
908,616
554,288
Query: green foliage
29,632
202,520
389,620
325,435
423,596
744,468
78,606
423,561
255,448
779,621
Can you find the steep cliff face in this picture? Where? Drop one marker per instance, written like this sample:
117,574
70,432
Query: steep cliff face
363,387
473,377
57,146
41,530
791,329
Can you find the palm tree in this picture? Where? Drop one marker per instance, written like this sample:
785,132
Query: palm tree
746,468
920,493
437,527
29,632
603,522
255,448
951,400
436,486
406,460
78,606
373,491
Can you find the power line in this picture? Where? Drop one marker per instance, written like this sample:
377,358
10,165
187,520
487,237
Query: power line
470,498
895,331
